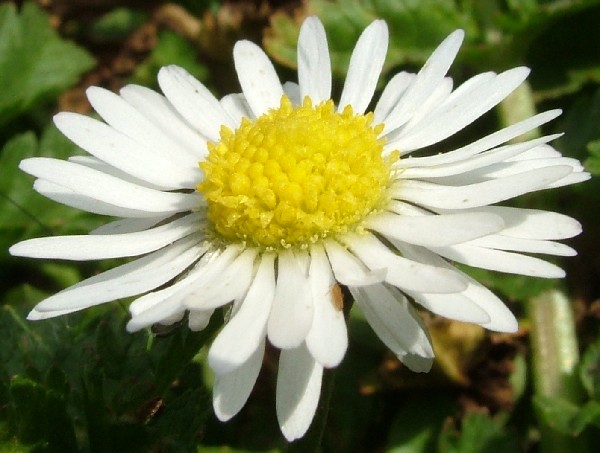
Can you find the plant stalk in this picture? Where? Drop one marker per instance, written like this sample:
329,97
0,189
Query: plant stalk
555,355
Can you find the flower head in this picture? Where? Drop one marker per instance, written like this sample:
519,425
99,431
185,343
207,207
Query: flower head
270,199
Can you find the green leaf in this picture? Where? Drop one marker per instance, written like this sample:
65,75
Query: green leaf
42,415
589,371
226,449
592,163
118,391
35,63
557,413
13,445
170,49
479,433
182,419
117,24
419,421
565,417
25,213
588,415
562,54
580,125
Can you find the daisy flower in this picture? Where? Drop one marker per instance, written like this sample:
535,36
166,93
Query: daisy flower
268,200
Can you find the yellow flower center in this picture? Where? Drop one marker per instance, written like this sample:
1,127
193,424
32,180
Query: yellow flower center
295,175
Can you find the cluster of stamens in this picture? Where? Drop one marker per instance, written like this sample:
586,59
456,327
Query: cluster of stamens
295,175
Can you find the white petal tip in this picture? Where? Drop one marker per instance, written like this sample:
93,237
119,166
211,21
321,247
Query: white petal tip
381,25
244,45
133,326
505,326
521,72
312,21
94,91
292,433
221,415
35,315
458,34
60,117
170,71
417,363
455,39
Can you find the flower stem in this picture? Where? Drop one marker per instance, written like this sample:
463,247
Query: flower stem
311,442
553,339
519,105
554,360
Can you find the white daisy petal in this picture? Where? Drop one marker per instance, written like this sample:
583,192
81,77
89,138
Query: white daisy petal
534,224
164,117
501,242
348,269
327,339
391,317
292,311
292,91
101,166
247,328
391,95
478,194
439,96
108,189
136,277
259,81
125,118
474,304
232,284
503,169
75,200
539,152
231,391
314,66
96,247
172,320
199,319
476,162
501,318
35,315
210,266
298,391
498,260
425,230
237,107
417,363
109,145
483,144
573,178
167,310
459,111
428,78
365,66
401,272
193,101
128,225
457,306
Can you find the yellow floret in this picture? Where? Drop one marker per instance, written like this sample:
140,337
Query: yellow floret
295,175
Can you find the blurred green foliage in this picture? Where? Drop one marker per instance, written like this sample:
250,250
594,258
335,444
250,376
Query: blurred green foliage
35,64
81,383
